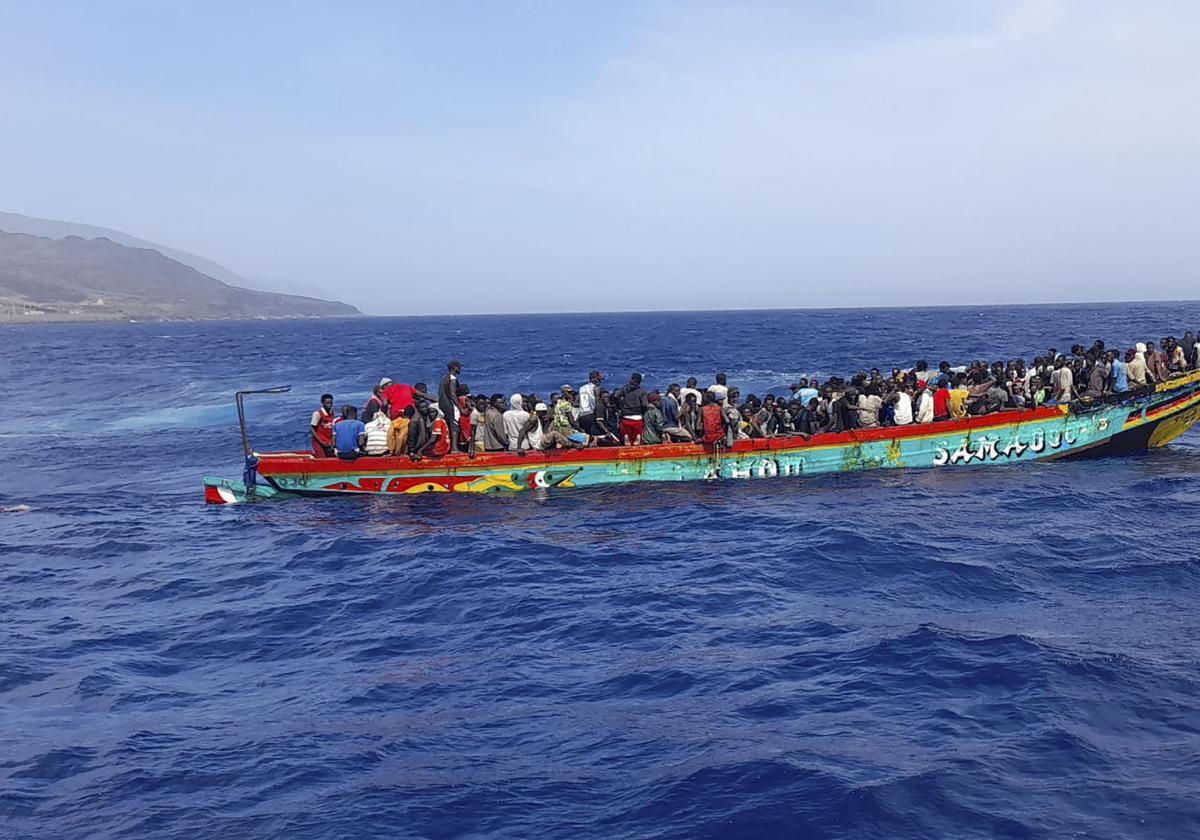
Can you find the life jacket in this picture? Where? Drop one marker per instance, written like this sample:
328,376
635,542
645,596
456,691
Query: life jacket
713,423
324,432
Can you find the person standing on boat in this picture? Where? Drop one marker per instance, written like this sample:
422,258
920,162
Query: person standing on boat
322,428
632,400
448,401
589,399
399,396
712,420
719,389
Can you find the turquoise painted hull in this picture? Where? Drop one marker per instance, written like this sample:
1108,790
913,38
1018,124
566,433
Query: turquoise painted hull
1146,421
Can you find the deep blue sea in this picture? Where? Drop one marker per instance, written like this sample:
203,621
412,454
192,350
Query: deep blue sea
990,652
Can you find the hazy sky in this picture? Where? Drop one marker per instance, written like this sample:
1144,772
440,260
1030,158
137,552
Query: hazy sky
505,156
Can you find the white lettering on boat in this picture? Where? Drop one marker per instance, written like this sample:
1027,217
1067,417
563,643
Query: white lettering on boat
990,449
765,468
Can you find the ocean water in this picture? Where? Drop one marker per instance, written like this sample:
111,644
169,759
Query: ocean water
1004,652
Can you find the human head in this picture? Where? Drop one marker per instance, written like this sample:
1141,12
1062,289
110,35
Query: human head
635,379
454,366
498,401
409,412
517,402
691,382
690,398
673,389
350,412
327,402
655,397
720,379
595,377
540,409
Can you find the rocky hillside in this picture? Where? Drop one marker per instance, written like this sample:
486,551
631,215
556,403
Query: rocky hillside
72,278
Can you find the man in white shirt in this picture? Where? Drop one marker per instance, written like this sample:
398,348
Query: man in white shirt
924,412
588,396
690,388
902,410
720,389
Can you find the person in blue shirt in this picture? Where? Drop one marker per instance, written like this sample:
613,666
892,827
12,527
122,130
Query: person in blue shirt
349,435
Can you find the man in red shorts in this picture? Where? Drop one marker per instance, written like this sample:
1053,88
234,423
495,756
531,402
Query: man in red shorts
632,400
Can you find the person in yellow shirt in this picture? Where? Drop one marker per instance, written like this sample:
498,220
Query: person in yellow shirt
958,399
397,439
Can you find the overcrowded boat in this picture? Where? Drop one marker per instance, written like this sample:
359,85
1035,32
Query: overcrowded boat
1094,403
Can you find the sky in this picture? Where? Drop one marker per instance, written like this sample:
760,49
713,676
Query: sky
479,157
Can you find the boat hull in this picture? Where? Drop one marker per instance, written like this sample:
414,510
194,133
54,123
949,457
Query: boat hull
1143,421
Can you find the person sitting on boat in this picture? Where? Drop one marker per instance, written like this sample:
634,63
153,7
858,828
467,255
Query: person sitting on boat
322,423
376,402
428,435
397,440
922,403
495,439
349,435
670,405
720,388
542,434
378,429
653,422
564,420
515,421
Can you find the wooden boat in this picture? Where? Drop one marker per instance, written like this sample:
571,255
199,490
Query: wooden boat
1137,421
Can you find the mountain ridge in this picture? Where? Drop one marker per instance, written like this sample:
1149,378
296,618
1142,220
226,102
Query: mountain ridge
94,279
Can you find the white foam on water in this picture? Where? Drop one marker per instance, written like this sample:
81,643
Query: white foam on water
16,509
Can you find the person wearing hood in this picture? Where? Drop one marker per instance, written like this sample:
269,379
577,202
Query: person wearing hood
378,429
1136,366
515,421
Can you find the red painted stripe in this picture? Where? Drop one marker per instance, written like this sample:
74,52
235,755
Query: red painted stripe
282,464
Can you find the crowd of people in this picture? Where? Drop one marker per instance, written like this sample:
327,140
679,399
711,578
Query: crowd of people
408,420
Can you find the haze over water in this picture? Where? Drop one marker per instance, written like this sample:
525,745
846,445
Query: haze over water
999,652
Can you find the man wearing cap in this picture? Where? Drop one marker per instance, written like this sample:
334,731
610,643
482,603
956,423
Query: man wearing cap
564,418
588,395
